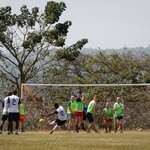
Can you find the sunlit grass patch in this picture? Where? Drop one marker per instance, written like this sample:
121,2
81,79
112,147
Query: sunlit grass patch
61,140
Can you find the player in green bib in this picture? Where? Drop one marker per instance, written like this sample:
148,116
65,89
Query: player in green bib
107,114
22,115
90,114
118,112
79,111
71,113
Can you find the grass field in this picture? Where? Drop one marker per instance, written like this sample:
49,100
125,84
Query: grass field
61,140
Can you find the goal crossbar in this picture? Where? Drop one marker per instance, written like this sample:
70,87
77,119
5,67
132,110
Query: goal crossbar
84,85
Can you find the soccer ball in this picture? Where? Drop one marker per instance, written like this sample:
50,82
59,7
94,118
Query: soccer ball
41,121
140,129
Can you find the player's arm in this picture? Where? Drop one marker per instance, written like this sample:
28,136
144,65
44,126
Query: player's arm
115,107
93,107
103,112
69,106
55,112
122,107
7,104
3,103
112,112
19,102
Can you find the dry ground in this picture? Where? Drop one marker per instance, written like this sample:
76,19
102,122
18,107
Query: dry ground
61,140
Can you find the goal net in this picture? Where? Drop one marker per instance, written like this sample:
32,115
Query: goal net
39,98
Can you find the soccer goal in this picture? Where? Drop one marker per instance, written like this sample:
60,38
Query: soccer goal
40,98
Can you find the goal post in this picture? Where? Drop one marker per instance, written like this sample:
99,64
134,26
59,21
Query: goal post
80,85
40,97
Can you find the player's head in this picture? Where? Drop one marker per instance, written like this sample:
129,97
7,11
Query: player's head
107,105
9,93
72,98
56,105
21,100
79,94
118,99
15,92
95,97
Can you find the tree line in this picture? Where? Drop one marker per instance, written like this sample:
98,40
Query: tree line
33,50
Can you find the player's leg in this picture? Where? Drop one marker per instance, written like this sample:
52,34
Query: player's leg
55,124
84,122
94,127
77,121
4,118
21,123
73,123
54,128
10,123
16,119
105,125
91,123
58,123
90,119
69,122
116,124
121,124
80,120
110,125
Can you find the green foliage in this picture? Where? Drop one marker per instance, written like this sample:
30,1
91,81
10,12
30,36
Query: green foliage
32,40
29,37
5,18
103,68
53,11
72,52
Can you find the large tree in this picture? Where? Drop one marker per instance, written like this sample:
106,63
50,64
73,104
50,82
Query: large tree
29,40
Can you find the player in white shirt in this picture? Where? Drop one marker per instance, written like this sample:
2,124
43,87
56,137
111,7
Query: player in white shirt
13,111
61,117
5,111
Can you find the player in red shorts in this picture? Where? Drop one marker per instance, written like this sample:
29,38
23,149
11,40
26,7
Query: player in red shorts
22,115
79,111
107,114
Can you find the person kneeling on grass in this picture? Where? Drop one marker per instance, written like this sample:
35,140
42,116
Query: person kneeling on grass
61,117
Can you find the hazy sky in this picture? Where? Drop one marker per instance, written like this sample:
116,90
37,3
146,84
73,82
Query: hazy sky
105,23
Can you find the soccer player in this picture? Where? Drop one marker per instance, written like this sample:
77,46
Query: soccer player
61,117
85,101
119,109
71,113
5,111
90,114
107,114
79,111
13,111
22,117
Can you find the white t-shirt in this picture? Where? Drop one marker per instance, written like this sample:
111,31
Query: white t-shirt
5,105
61,113
14,102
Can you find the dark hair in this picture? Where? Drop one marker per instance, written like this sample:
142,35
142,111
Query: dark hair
56,105
79,92
15,92
9,93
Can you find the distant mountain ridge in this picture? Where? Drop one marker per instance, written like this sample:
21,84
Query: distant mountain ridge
135,50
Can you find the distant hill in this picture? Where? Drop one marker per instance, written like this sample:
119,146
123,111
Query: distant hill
136,50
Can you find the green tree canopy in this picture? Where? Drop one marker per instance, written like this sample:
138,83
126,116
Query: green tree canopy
29,40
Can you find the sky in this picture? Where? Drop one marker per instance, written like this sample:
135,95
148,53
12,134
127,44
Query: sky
107,24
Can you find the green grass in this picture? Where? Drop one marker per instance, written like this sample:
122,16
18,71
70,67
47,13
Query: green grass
61,140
